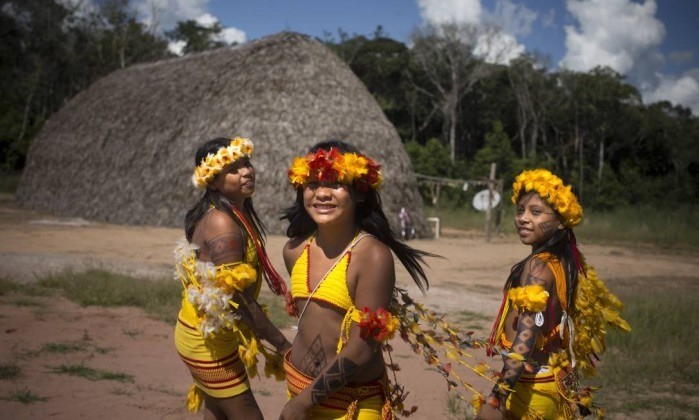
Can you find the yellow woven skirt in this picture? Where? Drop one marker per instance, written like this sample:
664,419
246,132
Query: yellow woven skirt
536,396
365,402
213,362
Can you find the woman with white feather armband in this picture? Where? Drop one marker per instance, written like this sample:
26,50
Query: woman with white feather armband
221,264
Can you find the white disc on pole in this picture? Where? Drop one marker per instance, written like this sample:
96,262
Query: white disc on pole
480,200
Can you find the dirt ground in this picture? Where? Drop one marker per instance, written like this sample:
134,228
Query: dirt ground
125,340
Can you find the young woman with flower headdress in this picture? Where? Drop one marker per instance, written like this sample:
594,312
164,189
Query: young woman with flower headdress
340,258
552,322
221,264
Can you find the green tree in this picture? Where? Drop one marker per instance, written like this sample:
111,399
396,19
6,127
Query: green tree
50,52
380,63
449,70
535,97
431,159
197,37
497,149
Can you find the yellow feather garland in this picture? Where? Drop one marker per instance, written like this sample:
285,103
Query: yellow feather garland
530,298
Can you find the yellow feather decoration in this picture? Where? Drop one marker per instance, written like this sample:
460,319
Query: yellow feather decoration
530,298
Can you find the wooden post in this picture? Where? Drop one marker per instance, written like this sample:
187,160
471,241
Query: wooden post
435,198
499,213
489,211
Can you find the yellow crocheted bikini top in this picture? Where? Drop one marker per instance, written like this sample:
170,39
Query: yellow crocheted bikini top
332,288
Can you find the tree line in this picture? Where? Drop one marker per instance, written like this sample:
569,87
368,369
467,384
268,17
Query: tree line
453,106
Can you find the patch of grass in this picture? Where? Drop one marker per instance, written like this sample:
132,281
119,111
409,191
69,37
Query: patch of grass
484,288
131,332
9,371
667,408
24,396
7,286
102,350
657,355
36,290
162,390
456,408
472,316
159,298
277,310
44,313
86,372
670,227
64,347
121,391
469,321
26,302
462,218
665,227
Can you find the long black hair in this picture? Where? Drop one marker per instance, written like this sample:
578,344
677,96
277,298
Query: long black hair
560,246
369,217
214,198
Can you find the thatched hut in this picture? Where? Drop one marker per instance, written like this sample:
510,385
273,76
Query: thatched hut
123,150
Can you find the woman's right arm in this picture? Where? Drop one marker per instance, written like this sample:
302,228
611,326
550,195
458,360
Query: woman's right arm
225,244
535,273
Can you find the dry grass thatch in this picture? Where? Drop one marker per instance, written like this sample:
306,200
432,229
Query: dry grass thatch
123,150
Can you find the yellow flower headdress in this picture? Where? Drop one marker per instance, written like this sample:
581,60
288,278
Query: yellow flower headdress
334,166
551,188
212,164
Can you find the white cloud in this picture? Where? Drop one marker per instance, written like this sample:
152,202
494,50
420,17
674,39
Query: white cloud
514,19
227,35
176,47
165,14
612,33
500,48
626,36
494,47
683,91
206,20
450,11
231,35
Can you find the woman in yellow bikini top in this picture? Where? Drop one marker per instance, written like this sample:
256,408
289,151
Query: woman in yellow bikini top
332,288
340,255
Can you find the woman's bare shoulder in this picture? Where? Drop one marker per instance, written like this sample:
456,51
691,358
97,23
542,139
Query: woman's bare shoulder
219,220
370,251
292,250
536,271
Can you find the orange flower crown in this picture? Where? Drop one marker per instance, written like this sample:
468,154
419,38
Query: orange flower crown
212,164
334,166
551,188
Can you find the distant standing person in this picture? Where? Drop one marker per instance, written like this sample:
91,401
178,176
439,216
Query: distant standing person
221,265
407,231
553,318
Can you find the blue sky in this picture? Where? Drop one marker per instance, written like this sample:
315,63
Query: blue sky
654,43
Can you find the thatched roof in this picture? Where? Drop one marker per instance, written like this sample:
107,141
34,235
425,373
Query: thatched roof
123,150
